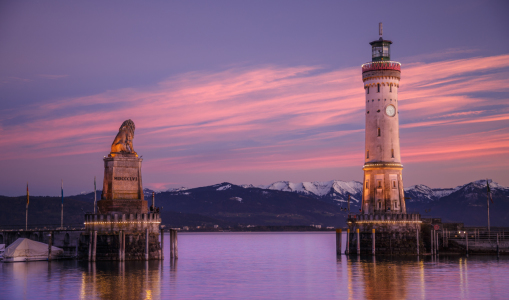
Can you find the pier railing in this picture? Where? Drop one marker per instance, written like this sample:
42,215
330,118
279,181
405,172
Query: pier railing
471,241
477,235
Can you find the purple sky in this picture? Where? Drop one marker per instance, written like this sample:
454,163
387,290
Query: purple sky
247,92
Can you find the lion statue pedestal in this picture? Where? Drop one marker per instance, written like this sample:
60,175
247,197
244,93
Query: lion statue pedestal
122,185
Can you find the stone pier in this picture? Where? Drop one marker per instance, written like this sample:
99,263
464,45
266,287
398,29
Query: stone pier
395,234
109,242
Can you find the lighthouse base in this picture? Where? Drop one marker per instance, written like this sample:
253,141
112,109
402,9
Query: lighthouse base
393,234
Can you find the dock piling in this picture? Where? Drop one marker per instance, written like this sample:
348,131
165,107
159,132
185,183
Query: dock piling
466,239
498,247
418,244
347,250
373,246
49,245
94,245
171,243
338,241
358,242
90,238
162,244
431,238
120,245
437,241
175,245
146,244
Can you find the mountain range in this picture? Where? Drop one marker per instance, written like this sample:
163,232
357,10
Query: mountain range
281,203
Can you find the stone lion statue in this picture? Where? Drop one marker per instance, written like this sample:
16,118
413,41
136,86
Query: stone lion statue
123,142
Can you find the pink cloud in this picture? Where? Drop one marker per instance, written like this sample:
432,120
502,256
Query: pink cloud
271,117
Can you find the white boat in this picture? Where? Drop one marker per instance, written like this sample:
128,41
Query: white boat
27,250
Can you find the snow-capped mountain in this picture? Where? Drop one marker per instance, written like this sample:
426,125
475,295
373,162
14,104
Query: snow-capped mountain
317,188
420,192
425,194
179,189
335,191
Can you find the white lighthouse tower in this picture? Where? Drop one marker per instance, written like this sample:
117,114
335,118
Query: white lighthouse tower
383,182
383,217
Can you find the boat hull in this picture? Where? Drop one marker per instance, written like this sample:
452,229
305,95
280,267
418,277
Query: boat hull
24,259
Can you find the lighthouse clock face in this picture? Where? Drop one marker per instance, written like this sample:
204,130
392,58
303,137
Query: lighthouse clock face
390,110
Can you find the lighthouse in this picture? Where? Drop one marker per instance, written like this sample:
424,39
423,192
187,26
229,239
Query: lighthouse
383,182
383,225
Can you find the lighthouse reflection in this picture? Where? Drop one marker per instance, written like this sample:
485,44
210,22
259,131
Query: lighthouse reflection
385,279
382,278
116,280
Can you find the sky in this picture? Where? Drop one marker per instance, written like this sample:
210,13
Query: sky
247,92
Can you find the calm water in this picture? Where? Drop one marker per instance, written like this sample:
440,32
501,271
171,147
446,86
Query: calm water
260,266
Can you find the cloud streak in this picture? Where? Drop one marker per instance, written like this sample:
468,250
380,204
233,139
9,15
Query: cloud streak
274,118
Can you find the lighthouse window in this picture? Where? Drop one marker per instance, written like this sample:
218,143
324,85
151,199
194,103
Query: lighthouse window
378,131
367,184
379,184
367,90
367,154
378,99
395,204
390,88
378,88
368,111
379,205
394,184
392,153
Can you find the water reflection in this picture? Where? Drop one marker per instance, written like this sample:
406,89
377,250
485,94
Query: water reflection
384,279
260,266
121,280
